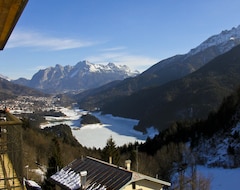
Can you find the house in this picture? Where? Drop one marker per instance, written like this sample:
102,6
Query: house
90,173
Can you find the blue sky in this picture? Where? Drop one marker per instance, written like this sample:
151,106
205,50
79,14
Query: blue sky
138,33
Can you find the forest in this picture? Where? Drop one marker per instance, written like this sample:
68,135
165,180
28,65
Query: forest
167,154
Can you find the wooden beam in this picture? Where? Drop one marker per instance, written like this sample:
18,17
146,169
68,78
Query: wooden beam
11,120
10,12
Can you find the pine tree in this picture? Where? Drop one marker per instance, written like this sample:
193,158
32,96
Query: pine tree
111,151
54,163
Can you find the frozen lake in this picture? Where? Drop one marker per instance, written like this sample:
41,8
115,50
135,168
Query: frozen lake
96,135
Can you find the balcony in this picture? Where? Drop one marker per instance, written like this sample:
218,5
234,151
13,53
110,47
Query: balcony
11,167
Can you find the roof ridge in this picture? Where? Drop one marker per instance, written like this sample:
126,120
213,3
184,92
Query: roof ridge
109,164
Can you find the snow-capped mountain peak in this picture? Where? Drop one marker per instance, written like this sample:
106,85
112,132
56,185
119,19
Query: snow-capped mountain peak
226,40
82,76
4,77
110,67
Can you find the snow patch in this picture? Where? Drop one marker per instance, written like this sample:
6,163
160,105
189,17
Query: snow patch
222,179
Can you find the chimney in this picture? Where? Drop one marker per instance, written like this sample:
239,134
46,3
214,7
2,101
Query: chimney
110,159
83,178
128,164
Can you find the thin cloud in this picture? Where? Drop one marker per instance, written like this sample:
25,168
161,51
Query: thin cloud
137,62
113,49
37,40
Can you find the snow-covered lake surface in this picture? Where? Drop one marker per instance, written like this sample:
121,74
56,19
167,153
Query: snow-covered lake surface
96,135
222,179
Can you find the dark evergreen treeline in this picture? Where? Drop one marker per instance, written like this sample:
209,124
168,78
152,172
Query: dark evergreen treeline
52,112
63,132
184,131
89,119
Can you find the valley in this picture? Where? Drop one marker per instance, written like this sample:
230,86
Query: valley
180,114
93,135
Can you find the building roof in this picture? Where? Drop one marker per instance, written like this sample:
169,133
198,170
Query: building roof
100,175
10,11
32,185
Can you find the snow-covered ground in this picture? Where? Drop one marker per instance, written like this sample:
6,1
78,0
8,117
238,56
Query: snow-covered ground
218,178
96,135
222,179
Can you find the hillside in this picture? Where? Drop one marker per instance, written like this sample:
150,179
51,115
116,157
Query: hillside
193,96
10,90
167,70
214,141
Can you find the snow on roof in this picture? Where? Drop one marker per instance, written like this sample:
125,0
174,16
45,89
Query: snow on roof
32,185
71,180
68,178
100,175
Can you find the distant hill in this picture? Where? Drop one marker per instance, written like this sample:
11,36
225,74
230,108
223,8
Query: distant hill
165,71
80,77
10,90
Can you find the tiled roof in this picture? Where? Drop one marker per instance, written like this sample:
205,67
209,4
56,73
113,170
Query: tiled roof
100,175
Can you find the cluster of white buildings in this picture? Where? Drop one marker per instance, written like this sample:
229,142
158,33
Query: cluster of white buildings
29,104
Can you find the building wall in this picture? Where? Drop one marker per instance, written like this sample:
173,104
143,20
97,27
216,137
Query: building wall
144,185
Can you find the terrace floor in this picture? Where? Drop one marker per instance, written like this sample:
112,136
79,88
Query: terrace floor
8,177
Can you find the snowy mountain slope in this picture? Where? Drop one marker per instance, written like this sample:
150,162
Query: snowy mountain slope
219,160
180,65
224,41
4,77
84,75
223,148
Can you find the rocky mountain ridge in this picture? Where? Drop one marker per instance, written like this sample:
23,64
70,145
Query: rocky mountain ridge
84,75
225,41
180,65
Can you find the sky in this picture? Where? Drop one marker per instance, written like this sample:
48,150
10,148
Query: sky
136,33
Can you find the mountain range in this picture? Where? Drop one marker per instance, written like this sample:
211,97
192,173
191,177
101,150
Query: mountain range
180,87
82,76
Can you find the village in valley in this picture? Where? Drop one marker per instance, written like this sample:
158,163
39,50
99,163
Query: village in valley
30,104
